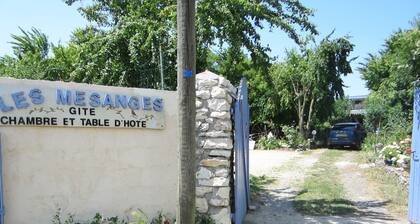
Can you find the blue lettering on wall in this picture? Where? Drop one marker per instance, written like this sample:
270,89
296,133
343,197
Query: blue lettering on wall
147,104
95,100
158,104
36,96
20,100
120,101
133,103
4,107
108,101
79,100
63,97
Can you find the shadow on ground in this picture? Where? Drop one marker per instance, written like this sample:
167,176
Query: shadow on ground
257,183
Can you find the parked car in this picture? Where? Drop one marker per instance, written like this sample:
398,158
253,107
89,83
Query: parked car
349,134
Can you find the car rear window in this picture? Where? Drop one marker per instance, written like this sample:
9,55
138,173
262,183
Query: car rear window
344,127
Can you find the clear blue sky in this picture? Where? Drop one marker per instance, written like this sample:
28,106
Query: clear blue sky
368,22
52,17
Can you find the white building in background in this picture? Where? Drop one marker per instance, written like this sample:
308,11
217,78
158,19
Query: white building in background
358,104
358,110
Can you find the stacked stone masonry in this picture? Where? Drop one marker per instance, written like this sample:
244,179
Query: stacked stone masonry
215,95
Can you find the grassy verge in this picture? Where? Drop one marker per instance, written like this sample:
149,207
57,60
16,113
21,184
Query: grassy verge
390,189
322,193
388,185
367,156
258,183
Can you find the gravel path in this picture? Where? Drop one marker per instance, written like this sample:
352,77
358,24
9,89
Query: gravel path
371,207
275,205
263,162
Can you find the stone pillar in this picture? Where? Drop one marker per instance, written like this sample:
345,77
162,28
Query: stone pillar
215,145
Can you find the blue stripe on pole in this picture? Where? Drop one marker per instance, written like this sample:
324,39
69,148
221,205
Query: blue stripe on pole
188,73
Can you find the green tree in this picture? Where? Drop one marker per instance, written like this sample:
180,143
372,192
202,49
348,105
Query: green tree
30,59
134,30
33,42
36,58
376,111
341,111
267,113
122,47
310,81
390,76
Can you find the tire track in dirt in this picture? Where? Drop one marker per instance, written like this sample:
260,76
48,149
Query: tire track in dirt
275,205
371,207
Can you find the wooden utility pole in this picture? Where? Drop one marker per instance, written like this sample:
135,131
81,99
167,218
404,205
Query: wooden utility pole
186,110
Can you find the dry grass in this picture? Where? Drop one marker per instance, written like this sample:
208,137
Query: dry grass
322,193
390,189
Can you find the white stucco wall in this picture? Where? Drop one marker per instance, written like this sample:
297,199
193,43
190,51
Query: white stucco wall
89,170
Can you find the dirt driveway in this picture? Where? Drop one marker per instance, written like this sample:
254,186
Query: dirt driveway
288,168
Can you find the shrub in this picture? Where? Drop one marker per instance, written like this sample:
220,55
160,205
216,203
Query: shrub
292,136
203,219
390,152
269,143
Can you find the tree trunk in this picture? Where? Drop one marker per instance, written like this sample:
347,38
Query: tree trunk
186,110
301,124
311,105
301,115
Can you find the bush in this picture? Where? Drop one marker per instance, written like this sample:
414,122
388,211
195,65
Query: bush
398,127
397,153
269,143
392,122
390,153
203,219
292,136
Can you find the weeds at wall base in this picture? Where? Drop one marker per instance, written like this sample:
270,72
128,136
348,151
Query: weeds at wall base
136,217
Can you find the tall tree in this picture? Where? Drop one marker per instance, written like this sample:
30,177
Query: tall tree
134,30
32,42
121,47
30,59
310,81
390,75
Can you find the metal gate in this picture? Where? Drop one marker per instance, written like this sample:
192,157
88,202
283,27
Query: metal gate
414,195
242,193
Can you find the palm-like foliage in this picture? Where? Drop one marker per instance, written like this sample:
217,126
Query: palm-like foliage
32,42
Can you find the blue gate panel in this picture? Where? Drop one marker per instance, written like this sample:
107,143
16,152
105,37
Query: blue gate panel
242,193
414,189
